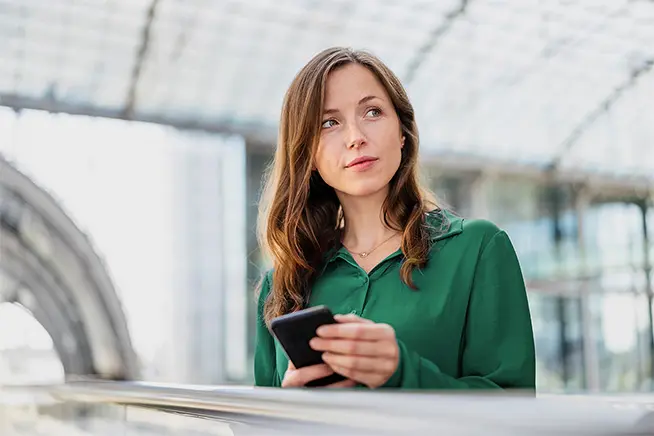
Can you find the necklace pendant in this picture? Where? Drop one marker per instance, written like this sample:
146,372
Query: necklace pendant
364,254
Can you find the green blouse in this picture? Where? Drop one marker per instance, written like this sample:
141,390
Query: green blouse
467,326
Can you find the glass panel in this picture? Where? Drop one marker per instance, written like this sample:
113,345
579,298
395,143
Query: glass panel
70,51
547,336
559,343
573,350
621,321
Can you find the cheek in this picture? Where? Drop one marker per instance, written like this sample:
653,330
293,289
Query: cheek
390,146
394,159
391,149
327,159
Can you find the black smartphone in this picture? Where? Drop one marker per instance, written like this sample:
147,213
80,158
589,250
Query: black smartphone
295,330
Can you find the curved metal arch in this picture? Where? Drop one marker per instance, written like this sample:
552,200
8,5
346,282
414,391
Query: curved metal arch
49,303
44,252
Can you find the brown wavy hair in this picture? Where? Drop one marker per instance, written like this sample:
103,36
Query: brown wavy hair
300,218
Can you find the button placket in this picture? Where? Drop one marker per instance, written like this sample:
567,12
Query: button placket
363,296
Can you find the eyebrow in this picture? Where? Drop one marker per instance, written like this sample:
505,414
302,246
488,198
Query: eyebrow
365,99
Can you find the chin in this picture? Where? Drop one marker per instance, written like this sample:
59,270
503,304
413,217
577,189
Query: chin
364,188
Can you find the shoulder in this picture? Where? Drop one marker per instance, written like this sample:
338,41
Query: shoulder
264,287
262,292
464,232
442,223
481,229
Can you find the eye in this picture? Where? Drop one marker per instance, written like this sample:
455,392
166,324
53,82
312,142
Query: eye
374,112
328,123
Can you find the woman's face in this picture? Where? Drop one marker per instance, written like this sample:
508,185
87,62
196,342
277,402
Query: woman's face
361,141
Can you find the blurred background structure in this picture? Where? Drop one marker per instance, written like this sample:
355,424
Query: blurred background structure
134,135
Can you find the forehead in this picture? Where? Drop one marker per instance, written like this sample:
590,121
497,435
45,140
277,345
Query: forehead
348,84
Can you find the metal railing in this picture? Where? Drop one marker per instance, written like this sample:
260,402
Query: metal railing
151,408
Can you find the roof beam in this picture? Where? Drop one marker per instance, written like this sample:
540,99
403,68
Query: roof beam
140,59
260,131
419,57
605,184
605,106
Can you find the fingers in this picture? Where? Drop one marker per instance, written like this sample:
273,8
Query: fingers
370,379
359,349
343,384
357,330
295,378
353,347
302,376
358,364
351,318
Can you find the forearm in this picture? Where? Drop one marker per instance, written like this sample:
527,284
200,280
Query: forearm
416,372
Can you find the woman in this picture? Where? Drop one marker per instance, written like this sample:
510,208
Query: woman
425,299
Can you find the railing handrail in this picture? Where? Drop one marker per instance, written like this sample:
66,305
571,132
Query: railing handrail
386,411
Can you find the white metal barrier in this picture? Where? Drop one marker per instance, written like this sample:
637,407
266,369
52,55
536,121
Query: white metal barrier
108,408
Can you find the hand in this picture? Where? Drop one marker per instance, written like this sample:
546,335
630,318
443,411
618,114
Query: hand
295,378
359,349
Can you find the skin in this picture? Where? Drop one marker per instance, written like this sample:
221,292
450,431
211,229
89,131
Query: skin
358,120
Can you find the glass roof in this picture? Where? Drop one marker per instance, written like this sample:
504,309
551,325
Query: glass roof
564,84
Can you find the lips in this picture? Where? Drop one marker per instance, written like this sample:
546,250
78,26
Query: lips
360,160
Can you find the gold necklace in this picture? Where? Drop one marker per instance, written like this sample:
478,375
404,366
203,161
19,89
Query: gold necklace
367,253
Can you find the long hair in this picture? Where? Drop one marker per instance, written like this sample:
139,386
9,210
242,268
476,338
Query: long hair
300,217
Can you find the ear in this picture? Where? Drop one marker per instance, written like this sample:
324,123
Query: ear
403,138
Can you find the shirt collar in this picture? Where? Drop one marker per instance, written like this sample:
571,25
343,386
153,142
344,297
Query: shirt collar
441,224
338,252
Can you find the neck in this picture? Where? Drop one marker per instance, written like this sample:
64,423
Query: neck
364,225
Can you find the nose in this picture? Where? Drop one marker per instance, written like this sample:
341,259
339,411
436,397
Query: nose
355,137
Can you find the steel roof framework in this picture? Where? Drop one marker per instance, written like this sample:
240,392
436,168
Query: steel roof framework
559,85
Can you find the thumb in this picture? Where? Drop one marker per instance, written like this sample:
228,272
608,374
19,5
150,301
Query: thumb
290,367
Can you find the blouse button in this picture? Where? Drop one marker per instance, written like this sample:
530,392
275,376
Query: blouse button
353,312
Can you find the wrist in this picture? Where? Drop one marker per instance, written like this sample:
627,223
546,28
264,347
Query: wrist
395,380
